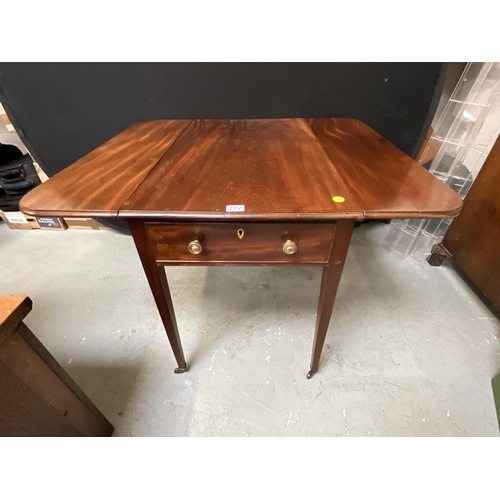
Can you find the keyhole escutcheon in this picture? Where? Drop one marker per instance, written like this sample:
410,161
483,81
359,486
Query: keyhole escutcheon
240,233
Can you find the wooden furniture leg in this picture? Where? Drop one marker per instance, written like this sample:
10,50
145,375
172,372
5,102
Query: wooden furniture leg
439,255
328,290
159,286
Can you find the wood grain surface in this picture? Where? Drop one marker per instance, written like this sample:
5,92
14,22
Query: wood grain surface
385,182
37,397
103,427
24,413
329,285
99,183
474,236
261,242
25,364
275,168
13,309
280,169
158,283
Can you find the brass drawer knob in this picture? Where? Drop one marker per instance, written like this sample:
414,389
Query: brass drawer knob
289,247
195,247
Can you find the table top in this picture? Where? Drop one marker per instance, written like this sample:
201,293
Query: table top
274,169
13,309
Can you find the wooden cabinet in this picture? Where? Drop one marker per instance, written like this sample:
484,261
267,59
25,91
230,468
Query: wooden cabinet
37,397
473,239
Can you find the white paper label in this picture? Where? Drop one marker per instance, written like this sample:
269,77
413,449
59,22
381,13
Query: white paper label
235,208
16,218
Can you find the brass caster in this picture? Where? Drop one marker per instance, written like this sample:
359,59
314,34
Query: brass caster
310,374
180,370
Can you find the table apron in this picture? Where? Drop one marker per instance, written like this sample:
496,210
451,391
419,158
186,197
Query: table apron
241,243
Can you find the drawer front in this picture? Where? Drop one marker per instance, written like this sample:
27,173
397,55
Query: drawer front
241,243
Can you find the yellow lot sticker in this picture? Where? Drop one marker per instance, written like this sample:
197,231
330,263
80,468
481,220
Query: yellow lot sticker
338,199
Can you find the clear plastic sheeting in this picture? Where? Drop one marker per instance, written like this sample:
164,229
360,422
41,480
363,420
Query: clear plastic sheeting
455,153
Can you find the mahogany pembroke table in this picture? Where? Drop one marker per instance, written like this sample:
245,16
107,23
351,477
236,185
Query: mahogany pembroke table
276,192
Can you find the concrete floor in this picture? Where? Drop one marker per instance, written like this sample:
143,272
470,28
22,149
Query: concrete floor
410,351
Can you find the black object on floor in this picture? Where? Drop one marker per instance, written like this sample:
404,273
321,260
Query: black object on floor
17,177
9,152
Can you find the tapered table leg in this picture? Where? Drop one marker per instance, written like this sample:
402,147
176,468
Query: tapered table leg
159,286
328,290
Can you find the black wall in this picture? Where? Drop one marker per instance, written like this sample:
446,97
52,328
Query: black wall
64,110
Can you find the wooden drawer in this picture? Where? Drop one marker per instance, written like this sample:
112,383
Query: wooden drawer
241,243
